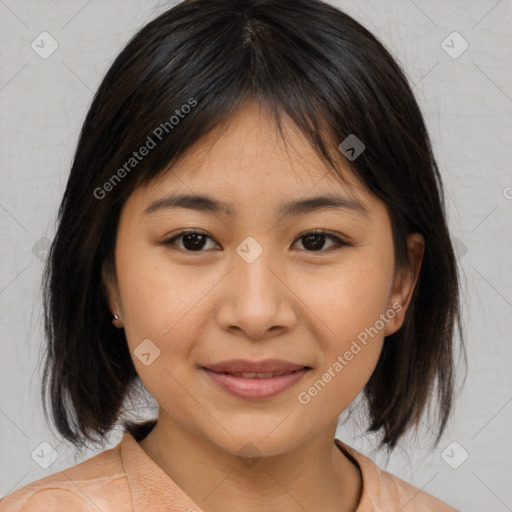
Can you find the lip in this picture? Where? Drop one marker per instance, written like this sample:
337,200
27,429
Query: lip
255,388
245,365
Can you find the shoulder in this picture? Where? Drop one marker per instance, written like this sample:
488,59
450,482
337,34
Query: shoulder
81,488
383,491
45,499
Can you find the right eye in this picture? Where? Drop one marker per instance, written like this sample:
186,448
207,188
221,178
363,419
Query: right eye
192,240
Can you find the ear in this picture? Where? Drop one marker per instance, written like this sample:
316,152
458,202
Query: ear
404,282
111,292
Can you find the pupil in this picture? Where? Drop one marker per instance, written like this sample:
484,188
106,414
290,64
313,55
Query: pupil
315,246
196,244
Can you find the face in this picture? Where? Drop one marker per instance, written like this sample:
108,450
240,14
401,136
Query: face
313,287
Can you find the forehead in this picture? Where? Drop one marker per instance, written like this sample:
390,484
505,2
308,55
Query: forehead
246,163
247,152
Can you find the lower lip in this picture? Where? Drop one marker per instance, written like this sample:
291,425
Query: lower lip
255,388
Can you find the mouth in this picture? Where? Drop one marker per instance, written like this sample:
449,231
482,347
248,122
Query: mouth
255,380
258,375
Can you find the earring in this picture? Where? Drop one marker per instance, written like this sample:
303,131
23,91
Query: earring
116,321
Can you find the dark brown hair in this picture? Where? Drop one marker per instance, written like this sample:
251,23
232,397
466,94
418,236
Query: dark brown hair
333,78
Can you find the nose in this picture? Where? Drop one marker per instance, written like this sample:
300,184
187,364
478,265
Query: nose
256,301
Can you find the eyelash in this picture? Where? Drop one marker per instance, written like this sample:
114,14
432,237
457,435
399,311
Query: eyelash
339,242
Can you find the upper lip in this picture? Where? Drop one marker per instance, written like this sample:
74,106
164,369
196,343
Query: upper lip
265,366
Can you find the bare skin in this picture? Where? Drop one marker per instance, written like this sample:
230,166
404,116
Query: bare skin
292,302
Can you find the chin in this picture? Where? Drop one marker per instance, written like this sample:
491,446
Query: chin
259,440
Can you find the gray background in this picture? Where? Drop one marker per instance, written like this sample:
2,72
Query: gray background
467,102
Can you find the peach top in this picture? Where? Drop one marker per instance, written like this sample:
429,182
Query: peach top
126,479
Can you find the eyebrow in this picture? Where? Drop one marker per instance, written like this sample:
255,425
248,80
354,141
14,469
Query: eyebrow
299,207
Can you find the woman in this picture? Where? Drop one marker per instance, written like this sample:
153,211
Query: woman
253,229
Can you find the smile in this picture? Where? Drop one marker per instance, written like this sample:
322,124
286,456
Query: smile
255,385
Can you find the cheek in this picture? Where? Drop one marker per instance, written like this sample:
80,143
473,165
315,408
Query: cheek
350,303
154,294
351,297
164,307
164,304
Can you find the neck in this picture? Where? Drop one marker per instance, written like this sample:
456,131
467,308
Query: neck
315,475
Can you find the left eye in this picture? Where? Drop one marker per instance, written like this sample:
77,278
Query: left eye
316,239
194,241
